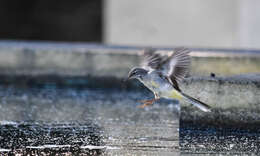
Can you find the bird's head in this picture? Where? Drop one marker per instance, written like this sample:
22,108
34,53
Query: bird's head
137,73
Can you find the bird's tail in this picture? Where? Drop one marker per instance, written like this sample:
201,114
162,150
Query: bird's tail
201,105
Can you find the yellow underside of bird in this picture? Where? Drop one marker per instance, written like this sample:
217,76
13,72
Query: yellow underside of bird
174,94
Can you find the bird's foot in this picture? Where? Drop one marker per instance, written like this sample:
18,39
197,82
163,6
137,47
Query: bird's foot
146,103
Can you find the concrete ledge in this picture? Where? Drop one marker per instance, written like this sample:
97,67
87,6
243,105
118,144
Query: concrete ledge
235,101
226,92
34,58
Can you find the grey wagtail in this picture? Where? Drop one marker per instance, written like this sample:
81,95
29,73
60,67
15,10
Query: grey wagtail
162,73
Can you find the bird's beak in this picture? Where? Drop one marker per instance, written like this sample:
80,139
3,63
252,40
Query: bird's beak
130,76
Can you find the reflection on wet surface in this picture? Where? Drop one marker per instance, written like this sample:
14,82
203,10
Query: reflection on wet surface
85,122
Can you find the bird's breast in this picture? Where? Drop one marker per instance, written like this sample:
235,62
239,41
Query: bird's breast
154,84
151,84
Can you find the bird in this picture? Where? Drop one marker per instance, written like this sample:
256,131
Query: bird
162,74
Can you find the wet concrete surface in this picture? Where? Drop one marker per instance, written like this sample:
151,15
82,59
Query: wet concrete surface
52,120
233,131
89,116
74,91
36,138
197,139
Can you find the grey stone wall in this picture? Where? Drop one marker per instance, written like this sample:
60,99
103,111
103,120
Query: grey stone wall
199,23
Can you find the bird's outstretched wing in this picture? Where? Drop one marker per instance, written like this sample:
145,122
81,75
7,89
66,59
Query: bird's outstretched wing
152,60
175,67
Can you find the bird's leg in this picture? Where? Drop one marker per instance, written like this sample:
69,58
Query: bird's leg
148,102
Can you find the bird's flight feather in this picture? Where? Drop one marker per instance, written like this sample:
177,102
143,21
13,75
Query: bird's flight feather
175,67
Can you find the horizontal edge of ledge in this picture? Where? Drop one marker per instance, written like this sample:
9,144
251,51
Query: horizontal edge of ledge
123,49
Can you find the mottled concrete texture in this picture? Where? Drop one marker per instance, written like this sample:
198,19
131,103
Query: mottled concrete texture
35,58
226,92
234,100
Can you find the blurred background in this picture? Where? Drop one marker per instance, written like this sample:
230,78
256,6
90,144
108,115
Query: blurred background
199,23
71,89
51,20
